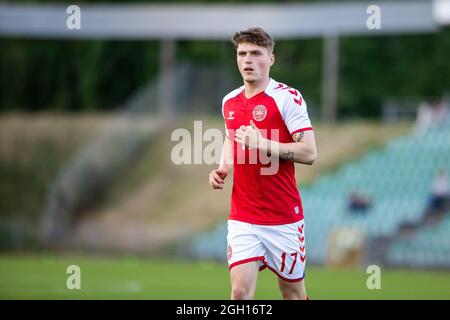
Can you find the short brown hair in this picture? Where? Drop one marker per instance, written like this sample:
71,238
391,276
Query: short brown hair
256,36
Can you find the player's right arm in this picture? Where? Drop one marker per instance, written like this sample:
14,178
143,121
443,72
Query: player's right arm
217,177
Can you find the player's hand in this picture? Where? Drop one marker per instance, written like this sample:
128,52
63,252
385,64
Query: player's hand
248,136
217,178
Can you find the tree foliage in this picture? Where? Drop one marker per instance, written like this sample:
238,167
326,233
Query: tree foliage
67,75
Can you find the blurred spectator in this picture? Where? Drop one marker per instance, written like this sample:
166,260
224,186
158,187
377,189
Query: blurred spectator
358,203
433,114
440,193
439,112
423,119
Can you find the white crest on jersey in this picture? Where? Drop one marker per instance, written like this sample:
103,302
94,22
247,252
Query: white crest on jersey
259,113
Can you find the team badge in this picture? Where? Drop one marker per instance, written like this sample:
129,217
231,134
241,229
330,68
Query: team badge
229,253
259,113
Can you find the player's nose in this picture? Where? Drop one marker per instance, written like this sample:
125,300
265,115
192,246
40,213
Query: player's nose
248,58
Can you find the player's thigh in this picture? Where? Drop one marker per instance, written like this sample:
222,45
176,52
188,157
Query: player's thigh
245,255
245,276
292,290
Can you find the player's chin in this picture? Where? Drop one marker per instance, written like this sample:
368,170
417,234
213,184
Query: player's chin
249,78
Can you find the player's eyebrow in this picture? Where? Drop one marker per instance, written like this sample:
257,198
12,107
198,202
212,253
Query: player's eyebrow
241,52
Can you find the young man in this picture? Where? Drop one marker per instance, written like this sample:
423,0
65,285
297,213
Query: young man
265,226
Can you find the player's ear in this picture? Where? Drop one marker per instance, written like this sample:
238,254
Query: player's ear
272,59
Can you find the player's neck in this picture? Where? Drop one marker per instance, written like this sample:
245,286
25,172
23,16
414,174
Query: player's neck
251,89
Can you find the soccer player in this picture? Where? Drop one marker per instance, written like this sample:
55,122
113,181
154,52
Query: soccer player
265,225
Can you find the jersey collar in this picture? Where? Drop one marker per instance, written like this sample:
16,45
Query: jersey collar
269,86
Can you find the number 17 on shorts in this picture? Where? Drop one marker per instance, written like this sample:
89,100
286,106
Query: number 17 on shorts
281,248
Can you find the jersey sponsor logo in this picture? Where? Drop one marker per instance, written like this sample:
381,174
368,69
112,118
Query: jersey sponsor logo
259,113
230,115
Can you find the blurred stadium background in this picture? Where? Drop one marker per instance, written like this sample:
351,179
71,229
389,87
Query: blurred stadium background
85,142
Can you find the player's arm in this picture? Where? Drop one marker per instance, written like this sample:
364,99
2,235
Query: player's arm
302,150
226,160
217,177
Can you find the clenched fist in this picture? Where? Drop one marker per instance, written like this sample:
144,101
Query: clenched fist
217,178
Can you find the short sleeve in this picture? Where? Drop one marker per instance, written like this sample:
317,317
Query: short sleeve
296,114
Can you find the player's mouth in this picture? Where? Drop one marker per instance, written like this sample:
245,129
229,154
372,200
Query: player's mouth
248,69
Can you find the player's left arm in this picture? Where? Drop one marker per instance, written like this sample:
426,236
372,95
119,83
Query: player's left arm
301,150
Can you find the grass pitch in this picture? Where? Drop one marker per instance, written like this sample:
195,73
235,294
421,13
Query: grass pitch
44,277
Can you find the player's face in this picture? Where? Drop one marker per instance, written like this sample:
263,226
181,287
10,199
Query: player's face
254,62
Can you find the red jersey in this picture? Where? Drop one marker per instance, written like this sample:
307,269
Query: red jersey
279,112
